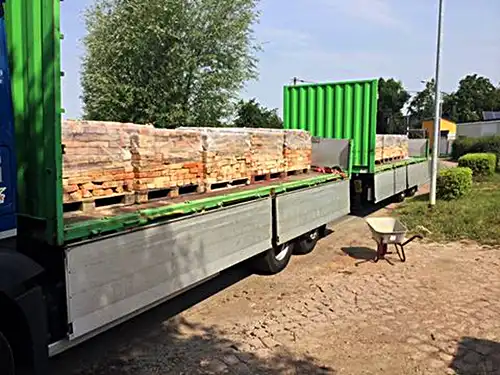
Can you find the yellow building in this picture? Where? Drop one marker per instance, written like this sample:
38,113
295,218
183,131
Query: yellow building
447,131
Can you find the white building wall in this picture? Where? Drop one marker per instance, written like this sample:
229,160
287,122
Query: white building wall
478,129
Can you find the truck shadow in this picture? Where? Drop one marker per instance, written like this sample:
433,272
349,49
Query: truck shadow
476,356
161,342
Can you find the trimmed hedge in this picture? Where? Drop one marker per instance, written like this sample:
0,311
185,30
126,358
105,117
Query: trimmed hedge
454,183
464,145
481,164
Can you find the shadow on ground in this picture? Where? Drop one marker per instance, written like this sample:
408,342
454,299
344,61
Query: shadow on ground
476,357
161,342
360,253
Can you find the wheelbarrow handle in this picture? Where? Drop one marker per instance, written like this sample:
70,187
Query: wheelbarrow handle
419,236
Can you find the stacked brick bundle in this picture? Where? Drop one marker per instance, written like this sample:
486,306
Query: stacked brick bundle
391,147
226,155
104,159
96,160
297,150
164,158
267,156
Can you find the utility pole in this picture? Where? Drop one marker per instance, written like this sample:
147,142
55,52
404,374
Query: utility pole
437,110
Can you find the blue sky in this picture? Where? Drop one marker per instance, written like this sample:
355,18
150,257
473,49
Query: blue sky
330,40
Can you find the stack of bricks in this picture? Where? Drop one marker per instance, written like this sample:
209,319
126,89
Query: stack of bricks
104,159
226,155
166,159
391,147
267,156
297,150
96,160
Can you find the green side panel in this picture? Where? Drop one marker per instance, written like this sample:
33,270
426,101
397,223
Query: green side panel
33,40
89,229
339,110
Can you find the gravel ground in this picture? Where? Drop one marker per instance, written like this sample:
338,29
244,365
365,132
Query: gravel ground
330,312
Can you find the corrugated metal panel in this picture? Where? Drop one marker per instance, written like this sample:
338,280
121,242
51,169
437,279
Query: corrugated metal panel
33,40
340,110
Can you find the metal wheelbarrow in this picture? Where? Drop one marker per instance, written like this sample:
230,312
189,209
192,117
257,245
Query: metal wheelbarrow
386,231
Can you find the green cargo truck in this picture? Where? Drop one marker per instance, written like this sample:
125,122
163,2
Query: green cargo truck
65,279
348,110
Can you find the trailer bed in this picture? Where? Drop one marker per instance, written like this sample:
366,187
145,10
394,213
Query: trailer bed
83,225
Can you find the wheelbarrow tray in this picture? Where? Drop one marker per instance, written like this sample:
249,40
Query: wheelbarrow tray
387,230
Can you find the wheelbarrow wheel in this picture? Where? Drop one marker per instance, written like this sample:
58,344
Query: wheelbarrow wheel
381,251
401,252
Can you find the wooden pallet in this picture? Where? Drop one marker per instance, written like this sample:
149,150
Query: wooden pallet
167,193
389,160
267,177
296,172
106,201
224,185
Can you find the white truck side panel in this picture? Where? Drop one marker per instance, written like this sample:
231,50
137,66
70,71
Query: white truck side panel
394,181
419,174
303,211
389,183
116,276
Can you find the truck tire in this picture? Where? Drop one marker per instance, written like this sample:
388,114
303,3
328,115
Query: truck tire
6,357
307,242
274,260
412,191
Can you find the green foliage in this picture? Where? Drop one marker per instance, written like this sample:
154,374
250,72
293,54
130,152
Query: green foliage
422,105
464,145
453,183
167,62
481,164
392,98
475,94
252,115
474,217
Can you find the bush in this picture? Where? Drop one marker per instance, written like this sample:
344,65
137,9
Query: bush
453,183
464,145
481,164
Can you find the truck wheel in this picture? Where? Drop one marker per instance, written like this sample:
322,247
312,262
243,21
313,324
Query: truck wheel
308,242
400,197
411,192
6,357
274,260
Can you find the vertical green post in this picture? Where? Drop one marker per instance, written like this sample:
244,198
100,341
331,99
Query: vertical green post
33,40
329,121
311,105
373,126
320,120
366,124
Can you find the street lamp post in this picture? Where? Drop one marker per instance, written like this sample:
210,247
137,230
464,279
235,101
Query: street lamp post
437,111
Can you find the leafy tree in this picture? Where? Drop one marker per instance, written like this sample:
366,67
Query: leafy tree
252,115
392,98
422,105
475,94
167,62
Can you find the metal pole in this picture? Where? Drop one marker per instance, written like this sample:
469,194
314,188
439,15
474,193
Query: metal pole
437,111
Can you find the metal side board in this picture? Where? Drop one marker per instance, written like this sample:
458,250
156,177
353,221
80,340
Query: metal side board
419,174
114,277
397,180
303,211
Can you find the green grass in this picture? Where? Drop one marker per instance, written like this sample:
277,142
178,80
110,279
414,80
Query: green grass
474,217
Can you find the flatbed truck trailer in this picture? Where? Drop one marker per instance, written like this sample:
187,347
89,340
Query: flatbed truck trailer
66,278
